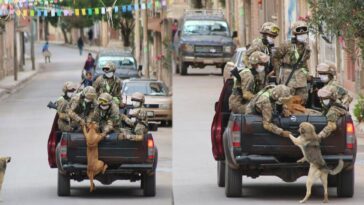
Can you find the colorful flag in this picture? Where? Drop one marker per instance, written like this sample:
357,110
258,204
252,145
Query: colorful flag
97,11
143,6
77,12
130,8
124,9
83,12
89,11
31,12
136,7
103,10
116,9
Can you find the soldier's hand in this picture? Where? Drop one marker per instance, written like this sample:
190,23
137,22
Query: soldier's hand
285,133
82,122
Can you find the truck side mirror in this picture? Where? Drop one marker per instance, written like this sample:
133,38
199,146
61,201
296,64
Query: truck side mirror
235,34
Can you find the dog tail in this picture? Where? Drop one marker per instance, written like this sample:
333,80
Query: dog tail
338,168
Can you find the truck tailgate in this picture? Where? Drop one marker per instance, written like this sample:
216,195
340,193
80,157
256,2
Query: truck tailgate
112,151
256,140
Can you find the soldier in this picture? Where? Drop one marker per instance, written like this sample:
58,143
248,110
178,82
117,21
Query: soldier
335,99
106,114
264,103
246,82
138,120
109,83
265,44
82,105
64,121
290,61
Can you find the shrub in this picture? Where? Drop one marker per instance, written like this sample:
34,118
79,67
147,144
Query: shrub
359,109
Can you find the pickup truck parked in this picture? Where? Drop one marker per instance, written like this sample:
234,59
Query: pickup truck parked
242,146
127,160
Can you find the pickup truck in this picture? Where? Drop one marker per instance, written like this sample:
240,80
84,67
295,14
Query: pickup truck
241,146
127,160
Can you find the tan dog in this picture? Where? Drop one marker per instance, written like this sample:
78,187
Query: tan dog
3,162
309,144
94,165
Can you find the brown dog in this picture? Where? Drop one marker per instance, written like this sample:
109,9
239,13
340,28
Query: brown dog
309,143
3,162
94,165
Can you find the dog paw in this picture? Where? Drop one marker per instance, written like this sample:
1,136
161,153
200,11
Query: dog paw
325,201
301,160
302,201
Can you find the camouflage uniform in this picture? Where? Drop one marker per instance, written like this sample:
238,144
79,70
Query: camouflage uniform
107,119
264,103
81,111
246,84
338,108
111,85
64,122
286,56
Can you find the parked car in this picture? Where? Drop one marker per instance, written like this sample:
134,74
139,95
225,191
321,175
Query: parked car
235,61
241,146
203,38
157,97
126,65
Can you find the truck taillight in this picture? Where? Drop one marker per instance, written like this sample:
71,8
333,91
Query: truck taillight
151,150
63,148
235,134
350,132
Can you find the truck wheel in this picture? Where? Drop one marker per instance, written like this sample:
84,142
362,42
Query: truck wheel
184,67
221,173
233,182
148,183
63,185
345,183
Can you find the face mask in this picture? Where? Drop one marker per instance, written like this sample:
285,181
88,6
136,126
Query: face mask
87,100
302,38
324,78
260,68
109,75
136,104
270,40
70,94
326,102
104,107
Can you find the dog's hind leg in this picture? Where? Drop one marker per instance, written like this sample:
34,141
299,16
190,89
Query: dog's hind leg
90,175
323,178
309,182
104,169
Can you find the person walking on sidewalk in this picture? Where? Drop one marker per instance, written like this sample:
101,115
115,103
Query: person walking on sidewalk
46,53
80,44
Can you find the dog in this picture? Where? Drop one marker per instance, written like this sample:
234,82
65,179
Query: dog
3,162
309,143
94,165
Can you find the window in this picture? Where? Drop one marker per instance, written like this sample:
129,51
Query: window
206,27
119,62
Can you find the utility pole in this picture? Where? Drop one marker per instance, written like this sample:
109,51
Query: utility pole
145,39
32,43
15,52
137,34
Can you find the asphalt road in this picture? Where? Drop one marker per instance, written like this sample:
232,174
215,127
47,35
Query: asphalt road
25,123
194,168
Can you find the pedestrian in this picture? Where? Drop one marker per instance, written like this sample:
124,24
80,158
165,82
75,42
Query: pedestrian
174,28
236,41
265,103
290,61
46,53
90,34
90,63
334,98
80,44
87,81
246,82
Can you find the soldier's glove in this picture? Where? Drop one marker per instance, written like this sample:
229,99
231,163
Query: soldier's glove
285,133
82,122
104,135
248,95
234,72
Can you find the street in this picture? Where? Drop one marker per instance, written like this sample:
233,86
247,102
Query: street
194,168
25,124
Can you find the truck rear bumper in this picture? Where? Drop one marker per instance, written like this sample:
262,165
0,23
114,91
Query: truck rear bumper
204,60
273,161
124,168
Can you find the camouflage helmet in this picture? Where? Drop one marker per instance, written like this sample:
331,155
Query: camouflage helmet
258,57
138,97
89,92
281,93
299,27
105,99
69,86
270,29
325,93
324,68
109,66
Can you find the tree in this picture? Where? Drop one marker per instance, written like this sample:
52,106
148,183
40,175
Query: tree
342,19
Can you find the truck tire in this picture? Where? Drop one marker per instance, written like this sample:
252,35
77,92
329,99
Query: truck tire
221,173
345,183
63,185
233,182
148,183
184,67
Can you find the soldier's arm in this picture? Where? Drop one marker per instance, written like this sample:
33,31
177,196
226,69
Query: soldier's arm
108,127
280,52
71,111
127,120
332,117
267,111
96,84
61,107
117,93
247,83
